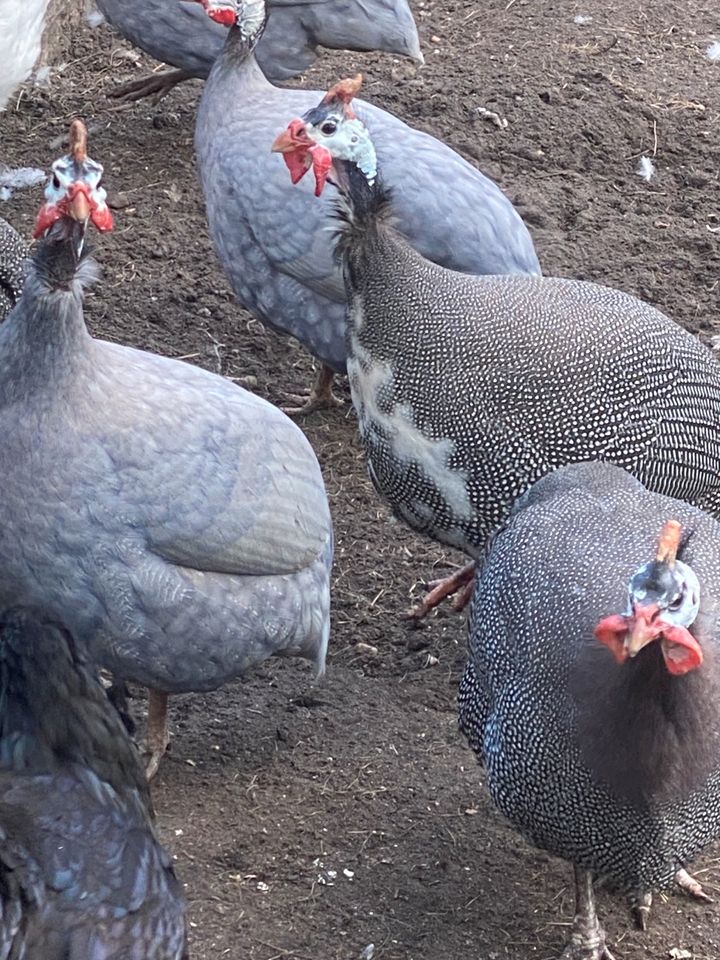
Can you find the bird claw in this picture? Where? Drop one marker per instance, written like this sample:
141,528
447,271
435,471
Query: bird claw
157,738
153,755
321,396
640,906
691,886
587,945
462,583
575,951
311,403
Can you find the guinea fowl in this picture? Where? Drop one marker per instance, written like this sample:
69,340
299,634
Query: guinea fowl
179,33
468,389
174,522
82,873
274,243
604,753
13,253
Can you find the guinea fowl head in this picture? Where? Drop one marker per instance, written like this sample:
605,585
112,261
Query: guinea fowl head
221,11
249,15
663,602
329,132
74,194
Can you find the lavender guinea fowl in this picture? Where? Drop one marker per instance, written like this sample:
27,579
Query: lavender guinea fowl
13,253
274,243
82,873
604,753
468,389
177,524
179,33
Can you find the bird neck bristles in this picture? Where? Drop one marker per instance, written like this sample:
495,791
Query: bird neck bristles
249,28
361,206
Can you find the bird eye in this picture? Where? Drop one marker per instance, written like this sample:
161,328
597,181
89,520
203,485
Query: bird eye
676,602
55,182
328,127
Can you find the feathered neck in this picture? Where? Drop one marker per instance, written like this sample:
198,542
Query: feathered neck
362,205
245,35
652,737
54,711
45,336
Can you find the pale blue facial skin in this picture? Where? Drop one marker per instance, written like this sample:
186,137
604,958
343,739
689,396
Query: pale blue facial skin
67,171
345,139
676,591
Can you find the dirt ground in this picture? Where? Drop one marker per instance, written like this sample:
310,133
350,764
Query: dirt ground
310,822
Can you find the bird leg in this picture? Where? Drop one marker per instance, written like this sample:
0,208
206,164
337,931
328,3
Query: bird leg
157,738
158,83
587,941
321,396
461,582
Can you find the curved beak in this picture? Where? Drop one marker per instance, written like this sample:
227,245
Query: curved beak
79,208
646,626
286,142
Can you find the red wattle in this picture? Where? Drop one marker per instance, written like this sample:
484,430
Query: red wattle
611,631
321,163
681,650
46,217
102,218
298,163
226,17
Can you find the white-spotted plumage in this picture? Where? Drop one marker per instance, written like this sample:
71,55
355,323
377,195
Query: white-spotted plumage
506,378
13,254
537,681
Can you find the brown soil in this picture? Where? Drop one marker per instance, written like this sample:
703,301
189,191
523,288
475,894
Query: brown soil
309,822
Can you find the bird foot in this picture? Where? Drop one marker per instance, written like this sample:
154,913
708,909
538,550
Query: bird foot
586,944
312,402
153,754
157,738
321,396
641,900
640,906
462,583
159,84
691,886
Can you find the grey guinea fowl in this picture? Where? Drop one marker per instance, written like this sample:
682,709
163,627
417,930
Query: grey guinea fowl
175,523
179,33
468,389
609,761
82,873
275,243
13,253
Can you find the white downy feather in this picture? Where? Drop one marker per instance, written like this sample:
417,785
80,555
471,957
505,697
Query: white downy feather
646,169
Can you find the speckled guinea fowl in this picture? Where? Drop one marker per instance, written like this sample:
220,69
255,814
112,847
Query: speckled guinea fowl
274,242
176,523
82,873
468,389
13,253
179,33
612,762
